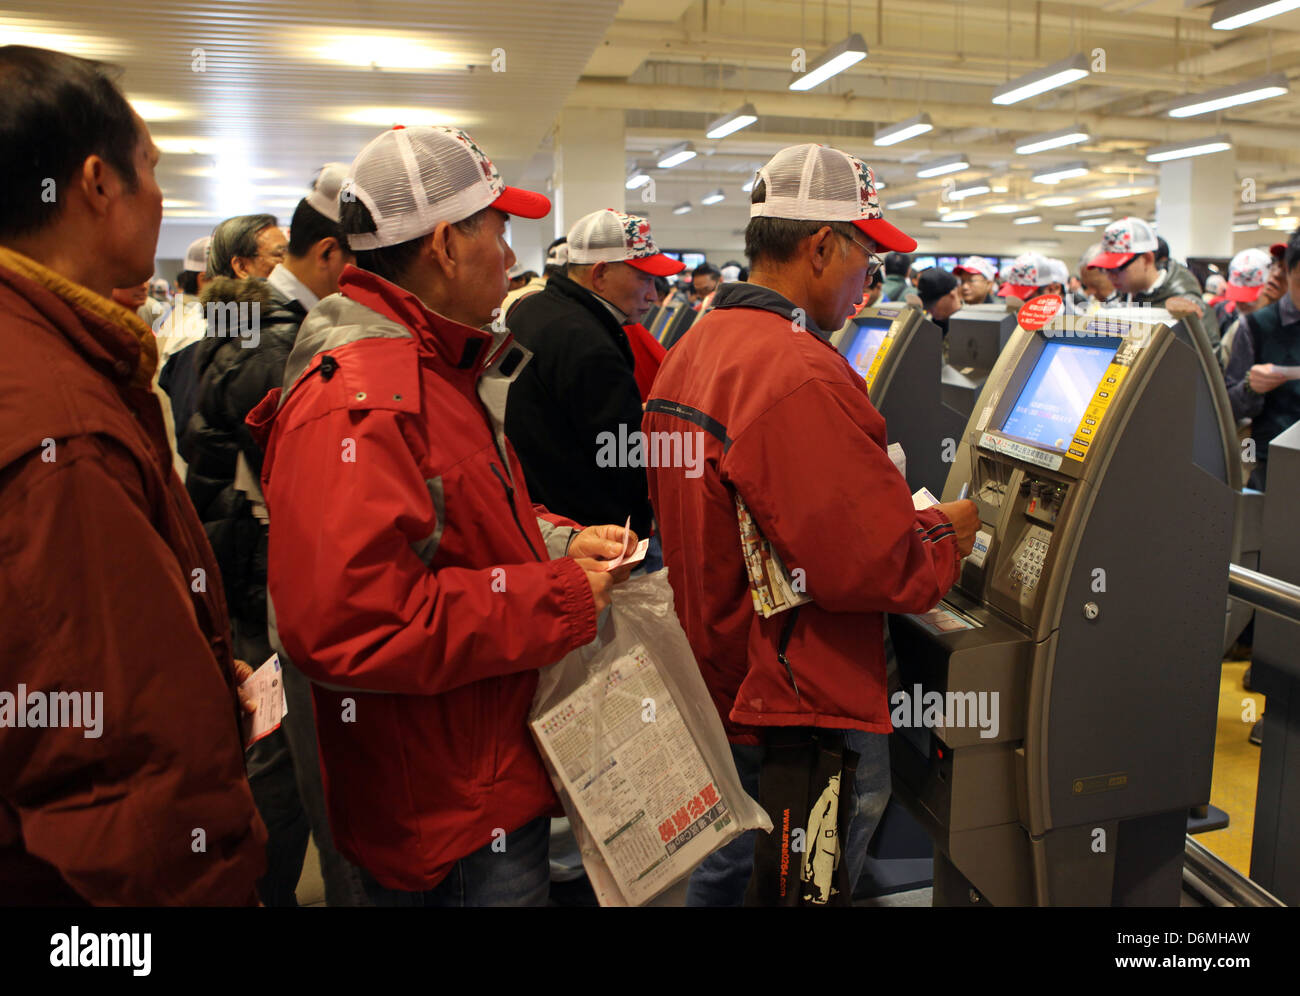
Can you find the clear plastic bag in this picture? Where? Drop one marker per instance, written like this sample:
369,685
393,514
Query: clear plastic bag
647,780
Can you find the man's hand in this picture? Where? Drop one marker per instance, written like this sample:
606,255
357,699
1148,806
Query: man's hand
1264,378
1181,307
965,517
244,671
604,543
601,581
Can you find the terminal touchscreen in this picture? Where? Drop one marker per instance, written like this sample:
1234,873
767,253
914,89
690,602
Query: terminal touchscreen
1058,391
864,345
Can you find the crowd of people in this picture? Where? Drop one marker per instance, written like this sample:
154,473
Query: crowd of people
370,447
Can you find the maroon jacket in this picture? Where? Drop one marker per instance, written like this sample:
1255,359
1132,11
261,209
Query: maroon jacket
787,424
109,587
412,579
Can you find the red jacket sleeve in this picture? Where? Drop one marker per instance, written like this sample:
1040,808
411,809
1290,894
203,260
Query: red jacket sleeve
356,607
831,502
96,602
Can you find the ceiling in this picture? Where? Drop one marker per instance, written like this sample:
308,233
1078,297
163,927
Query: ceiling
248,99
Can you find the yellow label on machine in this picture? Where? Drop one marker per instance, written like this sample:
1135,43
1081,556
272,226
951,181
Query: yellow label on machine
881,353
1096,411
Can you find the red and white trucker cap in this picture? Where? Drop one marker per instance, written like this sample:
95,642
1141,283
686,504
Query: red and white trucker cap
1028,273
611,236
196,256
1247,274
1123,240
817,183
410,179
324,193
977,265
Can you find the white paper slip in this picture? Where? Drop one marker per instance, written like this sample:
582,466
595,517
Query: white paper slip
923,499
625,558
266,687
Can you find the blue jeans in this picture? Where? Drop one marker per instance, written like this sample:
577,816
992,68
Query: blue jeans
518,875
722,877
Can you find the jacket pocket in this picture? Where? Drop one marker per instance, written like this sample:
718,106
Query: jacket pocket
787,631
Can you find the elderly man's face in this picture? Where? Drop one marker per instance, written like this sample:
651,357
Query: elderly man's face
974,288
948,305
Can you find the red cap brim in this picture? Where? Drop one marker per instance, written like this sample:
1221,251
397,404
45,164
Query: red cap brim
1018,290
523,203
1277,250
886,235
659,265
1236,293
1111,260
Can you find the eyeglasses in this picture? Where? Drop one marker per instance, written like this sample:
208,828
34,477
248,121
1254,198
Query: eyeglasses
1119,269
874,262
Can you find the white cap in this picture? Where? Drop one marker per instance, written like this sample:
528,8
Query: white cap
558,255
730,274
518,270
817,183
611,236
324,194
1123,240
1060,272
977,264
1247,274
1028,272
196,256
412,179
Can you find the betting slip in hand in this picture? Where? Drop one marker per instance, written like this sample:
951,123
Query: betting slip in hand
266,687
626,559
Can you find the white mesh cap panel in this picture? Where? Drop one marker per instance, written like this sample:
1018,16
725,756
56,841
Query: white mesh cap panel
410,179
816,183
610,236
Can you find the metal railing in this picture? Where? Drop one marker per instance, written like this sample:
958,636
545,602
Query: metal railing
1279,598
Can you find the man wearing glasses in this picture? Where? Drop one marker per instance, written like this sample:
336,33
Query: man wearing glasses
787,428
1129,252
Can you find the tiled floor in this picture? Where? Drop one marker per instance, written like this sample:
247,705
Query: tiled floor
1236,769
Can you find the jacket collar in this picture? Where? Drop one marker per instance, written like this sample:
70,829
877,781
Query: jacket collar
114,340
746,295
574,291
457,345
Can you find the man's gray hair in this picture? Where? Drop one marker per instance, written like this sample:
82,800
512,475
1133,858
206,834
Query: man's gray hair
235,237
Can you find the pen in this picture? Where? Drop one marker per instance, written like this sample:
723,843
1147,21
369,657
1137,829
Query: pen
965,490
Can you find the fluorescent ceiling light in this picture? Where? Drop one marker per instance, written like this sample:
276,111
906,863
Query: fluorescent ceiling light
1004,208
1029,219
188,213
169,203
944,224
974,190
1117,193
387,115
249,173
714,197
1185,150
678,154
731,123
683,208
1043,242
960,215
87,46
1073,228
181,145
834,60
940,167
1054,202
1084,212
1066,171
1053,140
1285,187
1238,13
378,51
1231,96
1096,222
1041,80
158,110
637,179
749,185
899,205
904,130
881,185
1245,228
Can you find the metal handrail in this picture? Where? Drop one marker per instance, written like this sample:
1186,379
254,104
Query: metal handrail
1213,882
1280,598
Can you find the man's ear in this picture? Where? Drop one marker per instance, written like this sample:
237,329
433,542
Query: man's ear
326,249
98,183
440,246
820,247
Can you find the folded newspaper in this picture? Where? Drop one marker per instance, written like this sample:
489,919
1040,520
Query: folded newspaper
638,753
770,585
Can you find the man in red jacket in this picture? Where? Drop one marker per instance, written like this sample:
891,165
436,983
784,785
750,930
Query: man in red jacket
787,427
410,576
121,767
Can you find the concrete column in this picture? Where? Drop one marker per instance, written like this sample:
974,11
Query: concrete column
590,164
1195,203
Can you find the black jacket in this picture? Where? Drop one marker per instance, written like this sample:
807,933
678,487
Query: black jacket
236,365
578,385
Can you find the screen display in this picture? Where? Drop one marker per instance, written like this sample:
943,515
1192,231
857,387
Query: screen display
922,263
865,343
948,262
1053,400
693,259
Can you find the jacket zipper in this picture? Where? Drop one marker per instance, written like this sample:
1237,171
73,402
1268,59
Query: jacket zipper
787,631
514,509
